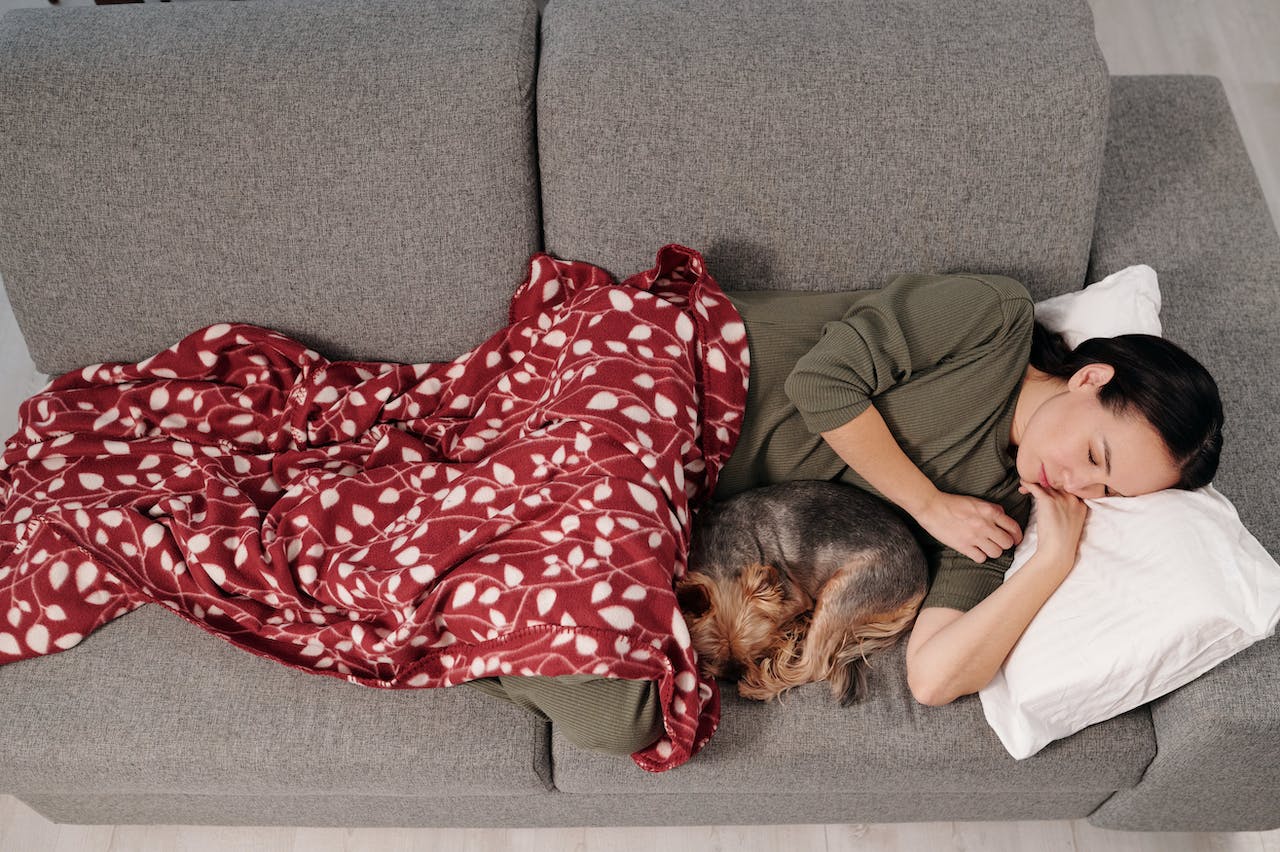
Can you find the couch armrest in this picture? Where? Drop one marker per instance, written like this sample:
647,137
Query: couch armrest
1179,193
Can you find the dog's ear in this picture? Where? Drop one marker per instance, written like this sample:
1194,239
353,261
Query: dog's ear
693,598
762,581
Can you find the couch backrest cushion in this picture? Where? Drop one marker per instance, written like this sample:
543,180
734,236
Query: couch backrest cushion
358,175
824,144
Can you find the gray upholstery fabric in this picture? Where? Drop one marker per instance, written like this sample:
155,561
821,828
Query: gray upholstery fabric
363,176
712,806
823,144
1180,194
150,704
360,176
887,743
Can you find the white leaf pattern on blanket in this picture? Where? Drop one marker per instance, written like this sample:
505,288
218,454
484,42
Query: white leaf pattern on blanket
397,525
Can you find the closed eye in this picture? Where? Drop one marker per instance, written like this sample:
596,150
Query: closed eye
1106,492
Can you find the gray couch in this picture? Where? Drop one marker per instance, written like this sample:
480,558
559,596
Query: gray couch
372,177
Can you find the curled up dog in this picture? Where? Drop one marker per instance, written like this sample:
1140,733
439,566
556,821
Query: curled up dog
799,582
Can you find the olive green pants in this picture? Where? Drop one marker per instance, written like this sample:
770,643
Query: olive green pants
603,714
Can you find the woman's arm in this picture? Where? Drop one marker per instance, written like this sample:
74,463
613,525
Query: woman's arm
976,528
953,653
894,335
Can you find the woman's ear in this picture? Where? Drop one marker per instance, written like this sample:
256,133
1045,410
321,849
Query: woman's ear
1091,377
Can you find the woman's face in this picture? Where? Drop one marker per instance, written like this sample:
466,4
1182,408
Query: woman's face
1073,443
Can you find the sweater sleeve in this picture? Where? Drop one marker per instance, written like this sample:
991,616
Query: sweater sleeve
909,327
960,583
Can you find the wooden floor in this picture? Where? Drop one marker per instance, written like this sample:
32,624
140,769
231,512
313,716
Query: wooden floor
1236,40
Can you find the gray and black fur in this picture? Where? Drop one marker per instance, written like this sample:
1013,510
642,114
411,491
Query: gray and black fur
832,571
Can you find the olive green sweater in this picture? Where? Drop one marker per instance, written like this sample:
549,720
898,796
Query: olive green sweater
942,359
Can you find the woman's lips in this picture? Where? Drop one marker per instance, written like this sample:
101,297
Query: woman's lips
1044,479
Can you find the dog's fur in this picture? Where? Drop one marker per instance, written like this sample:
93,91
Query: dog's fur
798,582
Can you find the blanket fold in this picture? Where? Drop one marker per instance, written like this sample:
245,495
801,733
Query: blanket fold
523,509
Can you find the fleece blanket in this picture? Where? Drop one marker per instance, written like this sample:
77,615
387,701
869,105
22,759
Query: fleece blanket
521,510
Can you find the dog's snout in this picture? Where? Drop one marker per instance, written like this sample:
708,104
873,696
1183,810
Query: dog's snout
732,670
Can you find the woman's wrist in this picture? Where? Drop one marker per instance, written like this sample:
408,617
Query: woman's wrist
1053,558
917,500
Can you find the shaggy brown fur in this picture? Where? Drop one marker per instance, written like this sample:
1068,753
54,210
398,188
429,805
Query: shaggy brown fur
799,582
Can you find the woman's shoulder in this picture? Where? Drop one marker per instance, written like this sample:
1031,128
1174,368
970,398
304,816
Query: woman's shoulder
998,300
943,294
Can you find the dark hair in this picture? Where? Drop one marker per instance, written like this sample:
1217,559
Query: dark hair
1155,379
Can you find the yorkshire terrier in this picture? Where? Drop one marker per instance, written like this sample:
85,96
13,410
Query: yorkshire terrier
798,582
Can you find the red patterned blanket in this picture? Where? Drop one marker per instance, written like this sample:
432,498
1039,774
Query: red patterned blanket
521,510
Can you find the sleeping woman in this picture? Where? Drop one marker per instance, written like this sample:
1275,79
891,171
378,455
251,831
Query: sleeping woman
943,395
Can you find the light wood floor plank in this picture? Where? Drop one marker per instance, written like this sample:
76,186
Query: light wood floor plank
18,376
893,837
83,838
23,828
1237,41
1248,35
1044,836
1155,38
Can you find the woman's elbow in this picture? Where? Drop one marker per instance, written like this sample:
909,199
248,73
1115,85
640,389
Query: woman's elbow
929,689
930,695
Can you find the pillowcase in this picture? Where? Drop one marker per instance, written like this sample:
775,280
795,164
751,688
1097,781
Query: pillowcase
1125,302
1165,586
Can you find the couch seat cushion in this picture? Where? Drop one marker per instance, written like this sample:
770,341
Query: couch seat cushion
150,703
887,742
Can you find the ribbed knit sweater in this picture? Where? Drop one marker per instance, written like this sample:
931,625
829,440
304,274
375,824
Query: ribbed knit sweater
942,359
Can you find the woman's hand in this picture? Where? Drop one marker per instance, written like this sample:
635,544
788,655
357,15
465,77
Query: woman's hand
953,653
974,527
1060,520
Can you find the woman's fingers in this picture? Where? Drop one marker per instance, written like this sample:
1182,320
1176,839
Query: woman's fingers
1000,537
996,529
994,541
976,528
1062,517
1010,526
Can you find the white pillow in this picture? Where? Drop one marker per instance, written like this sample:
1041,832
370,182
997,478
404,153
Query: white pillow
1165,586
1125,302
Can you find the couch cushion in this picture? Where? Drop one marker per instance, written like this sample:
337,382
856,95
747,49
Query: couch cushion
824,144
152,704
889,742
360,176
